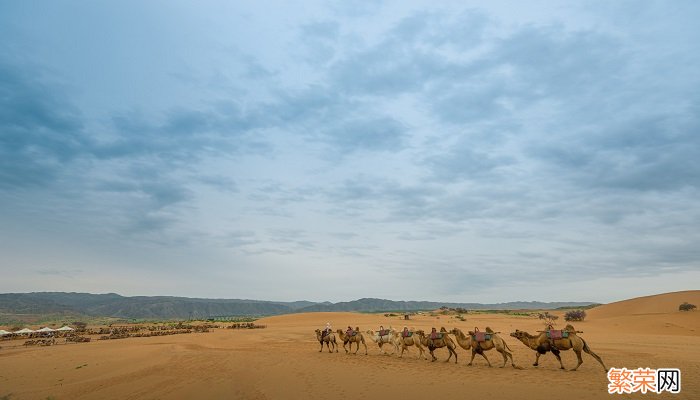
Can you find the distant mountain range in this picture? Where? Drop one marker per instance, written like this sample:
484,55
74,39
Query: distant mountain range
166,307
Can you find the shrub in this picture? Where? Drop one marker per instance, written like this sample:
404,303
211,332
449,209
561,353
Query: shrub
686,306
79,326
575,315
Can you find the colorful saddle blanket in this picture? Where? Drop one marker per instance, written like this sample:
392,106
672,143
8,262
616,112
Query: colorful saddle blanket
481,336
406,333
557,334
436,335
383,332
351,333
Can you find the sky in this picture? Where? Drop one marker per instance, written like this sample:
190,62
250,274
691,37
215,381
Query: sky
328,151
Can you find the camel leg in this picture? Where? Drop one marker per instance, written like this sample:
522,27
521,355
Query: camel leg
450,356
580,360
505,357
454,351
320,341
472,360
483,354
594,355
403,348
432,355
364,344
556,354
537,358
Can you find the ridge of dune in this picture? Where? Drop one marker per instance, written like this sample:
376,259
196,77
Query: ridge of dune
654,304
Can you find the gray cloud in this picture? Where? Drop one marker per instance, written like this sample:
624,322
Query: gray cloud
40,132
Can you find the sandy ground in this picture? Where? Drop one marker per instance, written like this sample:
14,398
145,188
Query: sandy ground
283,362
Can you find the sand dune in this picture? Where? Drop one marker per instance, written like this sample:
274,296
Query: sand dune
283,362
660,303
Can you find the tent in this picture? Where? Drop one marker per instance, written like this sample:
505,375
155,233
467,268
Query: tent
23,331
46,329
4,332
65,329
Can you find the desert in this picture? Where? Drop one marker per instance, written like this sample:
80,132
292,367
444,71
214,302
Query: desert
283,360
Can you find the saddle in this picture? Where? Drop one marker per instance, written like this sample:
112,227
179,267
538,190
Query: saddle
435,335
407,334
555,334
383,332
325,333
481,336
350,333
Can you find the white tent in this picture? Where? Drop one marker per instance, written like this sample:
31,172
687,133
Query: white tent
46,329
65,329
23,331
4,332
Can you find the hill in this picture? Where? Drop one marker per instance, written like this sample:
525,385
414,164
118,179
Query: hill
376,305
655,304
169,307
137,307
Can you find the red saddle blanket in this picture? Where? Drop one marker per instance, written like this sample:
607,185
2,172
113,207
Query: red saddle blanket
406,334
350,333
436,335
557,334
481,336
383,332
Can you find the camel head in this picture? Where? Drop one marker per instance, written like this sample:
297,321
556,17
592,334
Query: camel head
318,331
570,328
518,334
443,330
489,330
455,331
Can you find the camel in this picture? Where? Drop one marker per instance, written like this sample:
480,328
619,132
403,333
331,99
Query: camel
496,342
413,340
433,344
357,339
328,340
542,344
390,338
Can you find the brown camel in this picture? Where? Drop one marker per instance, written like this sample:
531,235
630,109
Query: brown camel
328,340
413,340
542,344
390,338
433,344
495,342
357,339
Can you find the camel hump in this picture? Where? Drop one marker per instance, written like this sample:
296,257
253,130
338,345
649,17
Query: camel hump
489,330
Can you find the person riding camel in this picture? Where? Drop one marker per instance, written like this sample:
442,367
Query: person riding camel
327,329
350,332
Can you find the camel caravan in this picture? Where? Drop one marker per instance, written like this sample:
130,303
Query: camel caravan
477,341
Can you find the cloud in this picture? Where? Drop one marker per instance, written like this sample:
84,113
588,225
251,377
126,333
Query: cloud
40,132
